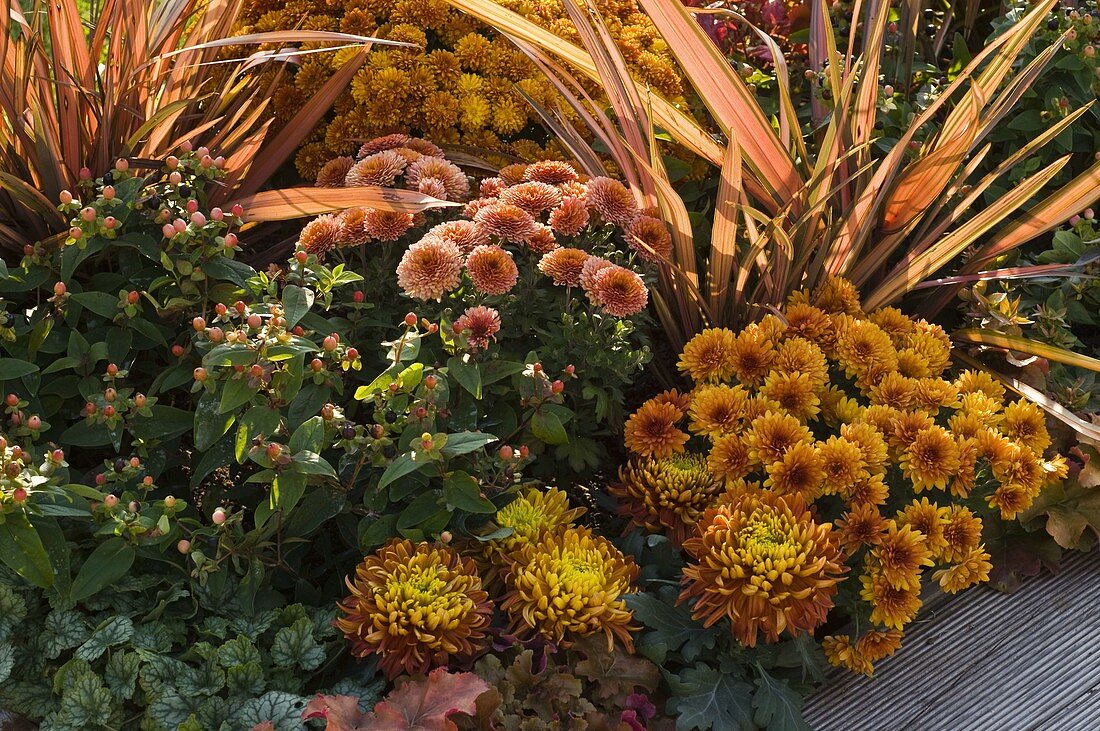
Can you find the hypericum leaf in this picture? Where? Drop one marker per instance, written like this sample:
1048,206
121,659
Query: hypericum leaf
548,427
466,442
463,492
108,563
13,368
22,550
703,698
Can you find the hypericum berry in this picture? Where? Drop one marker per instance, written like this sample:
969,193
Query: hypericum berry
110,394
237,210
110,501
433,328
329,344
358,296
11,400
168,230
316,365
523,451
177,350
206,161
140,400
298,330
122,164
327,412
421,412
445,537
66,197
199,324
231,241
74,233
135,462
216,213
134,506
109,192
108,411
85,173
256,371
101,479
537,367
301,256
430,382
557,387
426,440
215,334
377,431
147,480
132,297
175,179
120,464
410,319
184,546
200,374
219,516
110,222
57,456
60,289
19,494
570,369
87,214
112,369
353,354
255,321
274,451
34,423
506,452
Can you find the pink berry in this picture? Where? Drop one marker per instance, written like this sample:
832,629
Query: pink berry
109,192
111,500
122,164
198,219
184,546
219,516
19,494
87,214
66,197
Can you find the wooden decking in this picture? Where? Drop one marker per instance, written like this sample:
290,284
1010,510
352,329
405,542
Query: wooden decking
985,661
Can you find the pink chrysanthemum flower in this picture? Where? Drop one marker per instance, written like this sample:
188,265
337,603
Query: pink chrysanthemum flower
553,172
463,234
570,217
491,269
564,266
619,291
333,172
612,200
454,180
381,168
481,324
512,174
511,223
490,187
434,187
654,234
429,269
353,231
320,236
378,144
542,240
532,197
387,225
471,209
592,265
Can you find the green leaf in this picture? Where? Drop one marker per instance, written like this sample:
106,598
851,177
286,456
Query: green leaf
238,651
229,355
121,674
283,710
101,303
22,550
467,373
235,393
397,469
245,680
374,532
463,492
13,368
85,703
166,422
86,434
497,370
419,510
311,463
108,563
62,630
7,660
671,625
287,489
466,442
210,423
256,422
297,301
778,706
229,270
111,632
294,646
703,699
547,427
309,436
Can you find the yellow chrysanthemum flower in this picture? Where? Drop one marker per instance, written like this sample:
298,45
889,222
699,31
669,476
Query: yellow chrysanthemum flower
717,410
794,392
707,357
841,653
843,464
931,459
666,495
1025,423
771,435
973,569
930,520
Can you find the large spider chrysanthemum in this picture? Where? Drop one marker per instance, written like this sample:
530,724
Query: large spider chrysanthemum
666,495
415,606
564,266
571,584
505,221
381,168
533,513
492,269
619,291
612,200
709,355
570,218
762,562
652,432
429,269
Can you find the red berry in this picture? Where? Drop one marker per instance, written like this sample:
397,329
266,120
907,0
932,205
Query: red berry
199,324
219,516
255,321
445,537
200,374
177,350
135,462
12,400
256,371
215,334
570,369
34,423
523,451
353,354
557,386
101,479
298,330
108,411
112,369
19,494
358,296
506,452
147,480
410,319
132,297
329,344
316,365
59,289
327,412
57,455
169,502
110,395
301,256
274,451
433,328
537,367
221,309
421,412
430,382
140,400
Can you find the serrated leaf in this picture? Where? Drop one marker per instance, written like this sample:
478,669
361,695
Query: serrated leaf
283,710
778,706
703,699
238,651
245,680
63,630
295,646
85,702
7,661
671,626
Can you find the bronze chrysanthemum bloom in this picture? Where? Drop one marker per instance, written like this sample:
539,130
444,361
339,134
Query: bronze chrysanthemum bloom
564,266
433,187
429,269
612,200
511,223
533,513
381,168
619,291
763,563
333,172
491,269
708,355
490,187
570,218
592,265
571,584
386,225
320,236
553,172
455,182
415,606
353,230
653,233
651,431
481,324
379,144
463,234
542,241
533,197
666,495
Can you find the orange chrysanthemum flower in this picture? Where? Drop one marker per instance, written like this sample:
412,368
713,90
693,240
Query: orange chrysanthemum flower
542,240
333,172
929,520
980,381
612,200
592,265
463,234
863,525
386,225
794,392
429,269
962,531
570,218
890,606
682,401
931,459
878,644
666,495
650,238
455,182
841,653
492,270
353,230
869,491
1025,424
894,390
652,432
771,435
379,169
320,236
508,222
553,172
751,357
564,266
972,569
902,554
618,291
729,458
797,471
708,355
872,445
864,350
761,562
798,355
490,187
533,197
415,606
894,323
717,410
842,463
812,324
837,295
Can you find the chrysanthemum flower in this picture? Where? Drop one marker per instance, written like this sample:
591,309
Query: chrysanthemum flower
666,495
650,238
553,172
798,355
682,401
463,234
975,381
1025,424
381,168
1011,499
429,269
771,435
618,291
751,357
962,531
415,606
932,342
966,425
386,225
966,476
353,231
492,270
902,554
929,519
907,425
480,324
809,322
894,322
878,644
564,266
570,218
863,525
490,187
842,463
533,513
761,561
869,491
864,350
841,653
759,405
797,471
893,390
333,172
433,187
931,459
651,431
511,223
513,174
932,394
729,458
708,355
533,197
612,200
837,295
794,392
454,180
972,569
320,236
890,606
981,405
542,241
717,410
386,142
837,408
569,585
872,445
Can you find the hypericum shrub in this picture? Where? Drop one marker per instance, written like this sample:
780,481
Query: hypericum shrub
463,85
828,463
